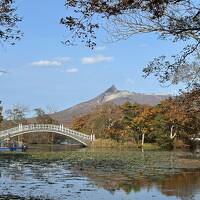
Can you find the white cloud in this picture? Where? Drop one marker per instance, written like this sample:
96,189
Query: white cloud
96,59
44,63
72,70
56,62
2,72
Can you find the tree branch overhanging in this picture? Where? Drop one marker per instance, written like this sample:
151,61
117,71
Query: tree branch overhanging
176,20
9,31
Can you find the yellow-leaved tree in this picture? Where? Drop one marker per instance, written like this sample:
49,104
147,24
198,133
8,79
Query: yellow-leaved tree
144,122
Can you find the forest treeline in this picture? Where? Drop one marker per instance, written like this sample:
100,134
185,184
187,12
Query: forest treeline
176,118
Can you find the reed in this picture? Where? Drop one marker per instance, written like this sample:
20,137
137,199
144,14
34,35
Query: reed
109,143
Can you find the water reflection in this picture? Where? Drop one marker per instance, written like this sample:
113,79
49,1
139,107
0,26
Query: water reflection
53,148
185,185
58,180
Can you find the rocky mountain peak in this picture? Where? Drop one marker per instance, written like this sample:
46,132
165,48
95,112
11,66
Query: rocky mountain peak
112,95
112,89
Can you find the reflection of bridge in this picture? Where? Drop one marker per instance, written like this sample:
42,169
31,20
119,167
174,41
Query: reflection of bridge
47,128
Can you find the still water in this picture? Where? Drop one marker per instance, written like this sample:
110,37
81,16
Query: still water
103,174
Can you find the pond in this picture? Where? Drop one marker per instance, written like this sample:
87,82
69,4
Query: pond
100,174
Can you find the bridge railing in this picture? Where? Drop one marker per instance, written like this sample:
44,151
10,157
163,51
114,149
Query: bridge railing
8,131
45,127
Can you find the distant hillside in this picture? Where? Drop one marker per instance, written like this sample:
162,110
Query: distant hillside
111,95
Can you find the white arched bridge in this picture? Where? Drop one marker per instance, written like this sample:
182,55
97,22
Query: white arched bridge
47,128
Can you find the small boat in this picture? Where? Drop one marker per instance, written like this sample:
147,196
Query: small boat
12,146
8,148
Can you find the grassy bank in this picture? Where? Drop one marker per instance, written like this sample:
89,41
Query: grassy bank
110,160
109,143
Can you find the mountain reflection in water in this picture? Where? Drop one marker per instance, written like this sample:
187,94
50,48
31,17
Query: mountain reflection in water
59,180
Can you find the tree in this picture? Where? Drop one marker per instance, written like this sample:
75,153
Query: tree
102,122
167,123
103,119
176,20
144,122
1,115
178,117
174,116
79,123
17,114
9,31
44,118
189,102
130,111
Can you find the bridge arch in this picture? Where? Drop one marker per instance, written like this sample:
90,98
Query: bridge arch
44,128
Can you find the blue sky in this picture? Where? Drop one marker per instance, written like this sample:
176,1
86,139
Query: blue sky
43,72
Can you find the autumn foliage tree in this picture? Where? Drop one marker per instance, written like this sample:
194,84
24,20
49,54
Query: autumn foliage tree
189,102
144,122
182,112
9,20
101,122
130,111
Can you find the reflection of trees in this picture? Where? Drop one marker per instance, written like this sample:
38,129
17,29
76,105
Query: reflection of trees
44,138
116,181
183,185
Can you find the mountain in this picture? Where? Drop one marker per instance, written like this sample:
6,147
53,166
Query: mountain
110,95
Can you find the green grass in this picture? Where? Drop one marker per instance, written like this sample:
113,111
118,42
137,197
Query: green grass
151,146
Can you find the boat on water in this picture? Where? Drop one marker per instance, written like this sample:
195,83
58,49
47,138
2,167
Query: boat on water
12,146
8,148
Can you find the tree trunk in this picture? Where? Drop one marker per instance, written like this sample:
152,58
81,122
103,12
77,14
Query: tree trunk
172,135
142,139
